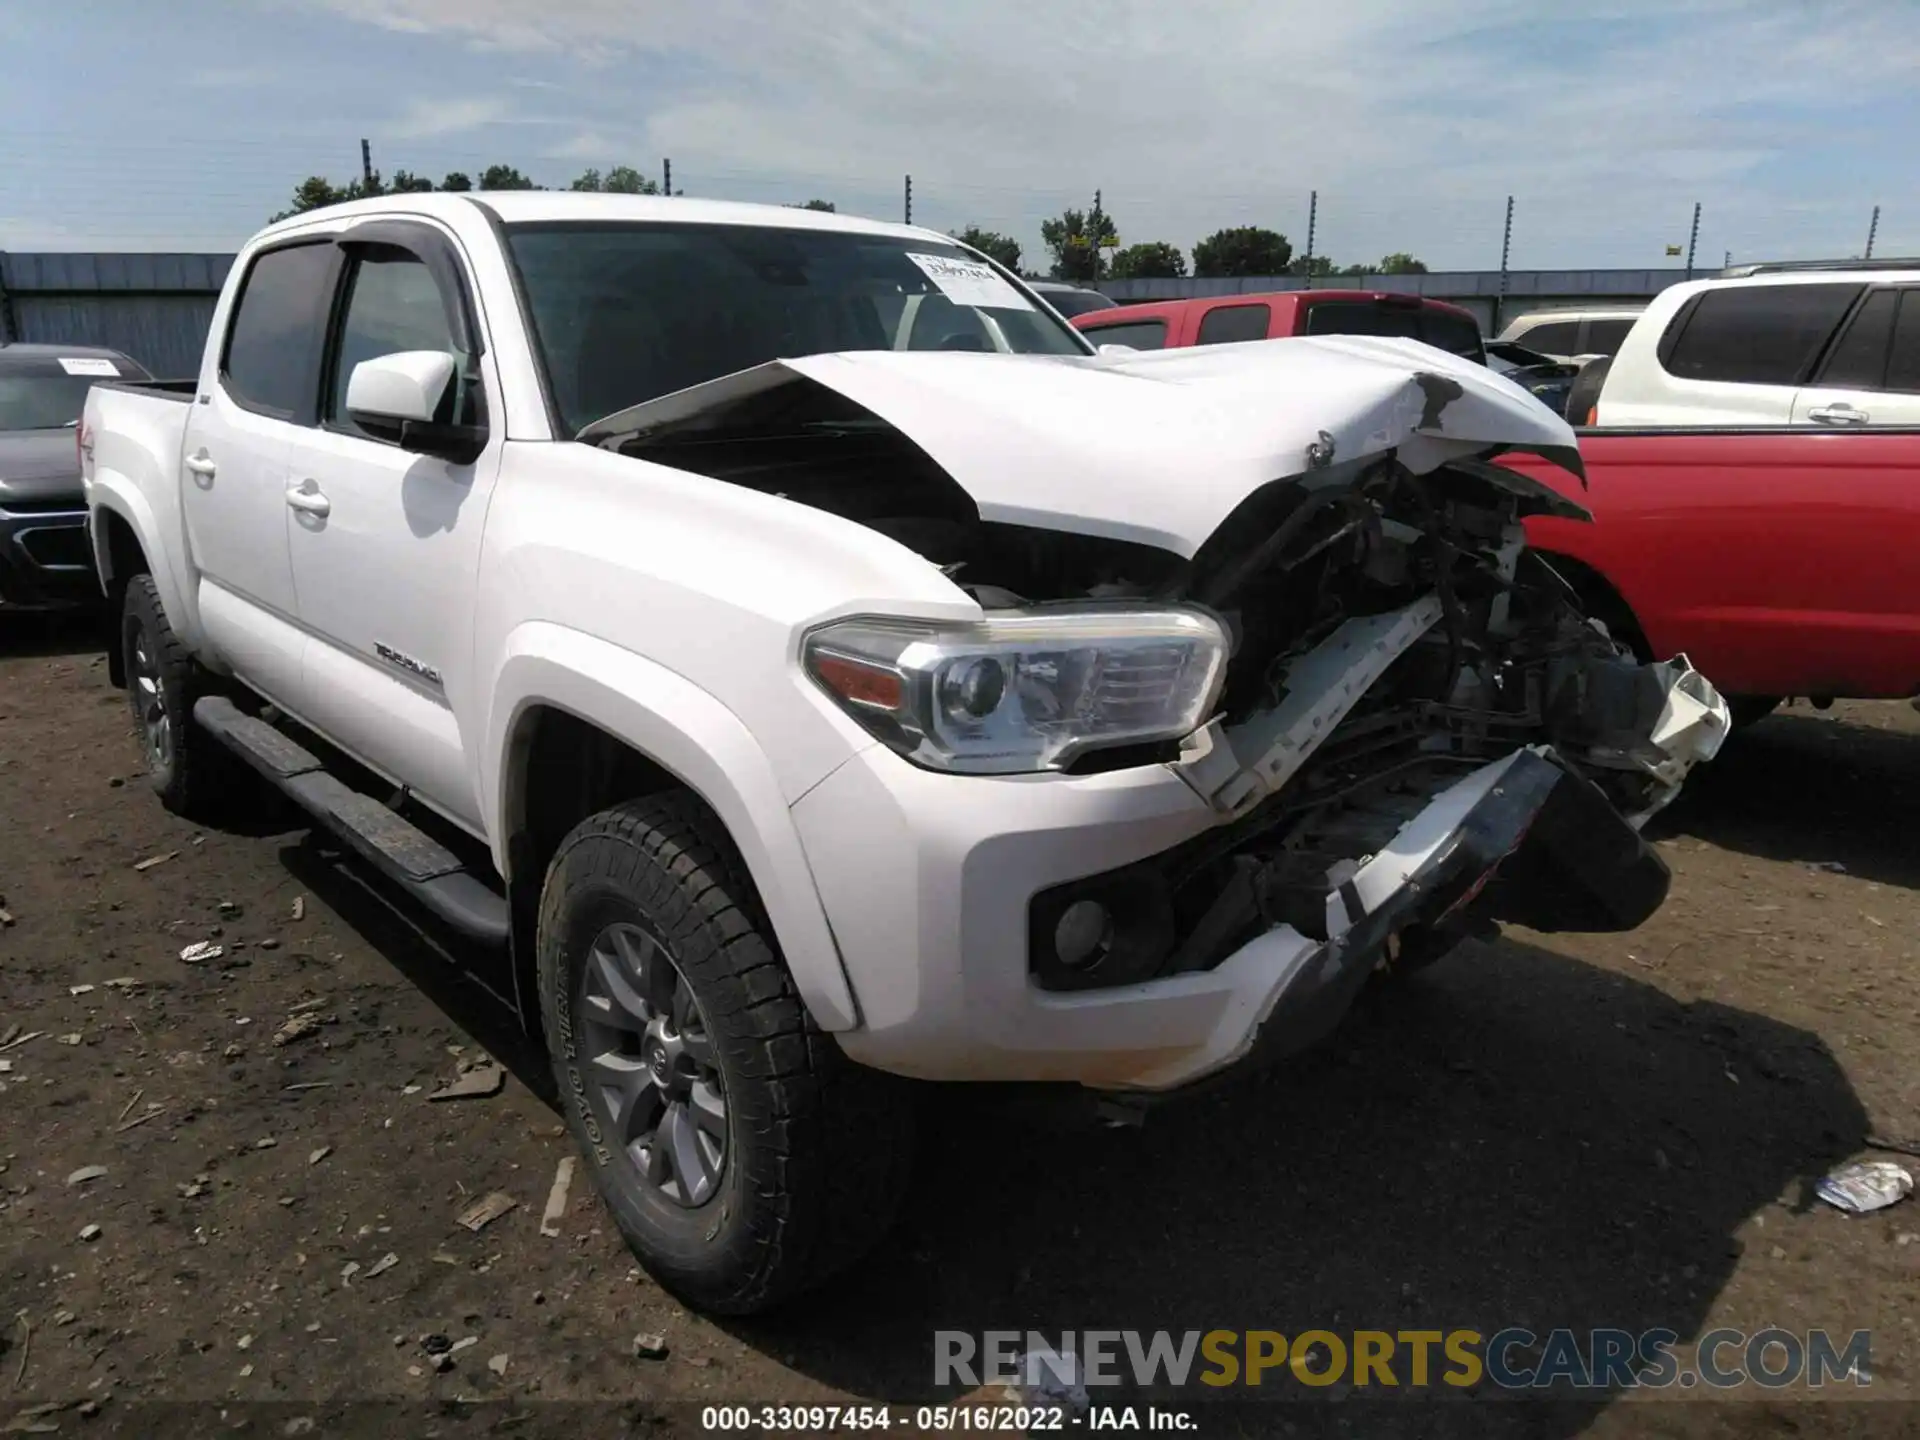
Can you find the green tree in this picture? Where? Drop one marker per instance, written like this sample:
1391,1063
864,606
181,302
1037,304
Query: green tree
504,177
457,181
1401,263
625,180
1244,250
1076,240
1315,265
992,244
1149,260
824,205
405,182
586,180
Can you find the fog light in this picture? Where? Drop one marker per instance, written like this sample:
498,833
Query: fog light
1083,935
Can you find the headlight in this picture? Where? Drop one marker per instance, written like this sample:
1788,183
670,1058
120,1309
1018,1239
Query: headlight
1024,690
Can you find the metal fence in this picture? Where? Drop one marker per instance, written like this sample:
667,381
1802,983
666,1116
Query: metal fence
154,307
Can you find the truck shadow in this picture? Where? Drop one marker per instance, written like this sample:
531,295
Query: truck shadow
1516,1138
1802,787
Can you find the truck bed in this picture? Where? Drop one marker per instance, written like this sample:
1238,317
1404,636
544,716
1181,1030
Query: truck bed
1773,556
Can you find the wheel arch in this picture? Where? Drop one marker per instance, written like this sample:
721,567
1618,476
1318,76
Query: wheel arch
580,724
1602,598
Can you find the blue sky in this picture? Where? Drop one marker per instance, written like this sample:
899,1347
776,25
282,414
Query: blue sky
140,125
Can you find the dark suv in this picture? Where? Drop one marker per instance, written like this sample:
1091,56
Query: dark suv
45,561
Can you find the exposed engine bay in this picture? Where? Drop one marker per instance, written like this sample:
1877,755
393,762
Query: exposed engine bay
1391,635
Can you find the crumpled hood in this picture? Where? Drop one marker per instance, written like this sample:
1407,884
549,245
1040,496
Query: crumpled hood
1158,447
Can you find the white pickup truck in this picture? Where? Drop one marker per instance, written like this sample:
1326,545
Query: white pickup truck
816,666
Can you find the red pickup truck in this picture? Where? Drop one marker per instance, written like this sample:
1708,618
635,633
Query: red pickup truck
1223,319
1774,557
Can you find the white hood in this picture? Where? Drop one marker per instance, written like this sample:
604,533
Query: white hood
1157,447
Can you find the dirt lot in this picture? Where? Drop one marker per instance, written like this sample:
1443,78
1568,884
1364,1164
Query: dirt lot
1599,1131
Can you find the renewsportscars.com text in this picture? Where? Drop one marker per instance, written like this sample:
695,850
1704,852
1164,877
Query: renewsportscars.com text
1512,1359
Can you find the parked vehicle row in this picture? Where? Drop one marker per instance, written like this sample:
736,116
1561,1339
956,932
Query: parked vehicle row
803,702
1229,319
44,559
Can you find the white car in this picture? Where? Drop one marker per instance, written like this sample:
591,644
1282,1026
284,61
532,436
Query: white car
1825,345
1573,335
804,713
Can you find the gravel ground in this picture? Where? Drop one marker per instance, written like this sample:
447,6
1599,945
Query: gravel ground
1550,1131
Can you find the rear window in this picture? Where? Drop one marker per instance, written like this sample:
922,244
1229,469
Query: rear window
1859,360
1140,334
273,348
1903,366
1456,334
1605,337
1555,337
1754,334
1229,324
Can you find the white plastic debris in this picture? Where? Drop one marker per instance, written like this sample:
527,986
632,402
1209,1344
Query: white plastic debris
484,1211
201,950
1866,1186
385,1263
557,1197
86,1173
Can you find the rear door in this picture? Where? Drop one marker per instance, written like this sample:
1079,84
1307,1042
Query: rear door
259,395
1146,333
1871,374
1738,354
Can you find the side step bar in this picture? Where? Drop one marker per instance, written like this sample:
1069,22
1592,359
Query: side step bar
407,855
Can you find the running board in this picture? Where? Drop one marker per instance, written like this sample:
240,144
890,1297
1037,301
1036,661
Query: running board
404,853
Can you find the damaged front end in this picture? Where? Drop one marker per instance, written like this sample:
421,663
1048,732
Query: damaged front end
1417,730
1421,734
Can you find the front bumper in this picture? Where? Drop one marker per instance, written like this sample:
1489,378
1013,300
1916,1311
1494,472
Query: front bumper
46,560
927,881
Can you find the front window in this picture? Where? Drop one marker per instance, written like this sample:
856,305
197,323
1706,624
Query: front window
625,313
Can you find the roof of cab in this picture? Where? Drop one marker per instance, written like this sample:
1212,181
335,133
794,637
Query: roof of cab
516,207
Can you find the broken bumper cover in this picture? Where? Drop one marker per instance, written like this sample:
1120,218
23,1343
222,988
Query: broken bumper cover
932,921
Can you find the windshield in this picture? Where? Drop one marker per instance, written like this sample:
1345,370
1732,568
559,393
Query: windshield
624,313
42,402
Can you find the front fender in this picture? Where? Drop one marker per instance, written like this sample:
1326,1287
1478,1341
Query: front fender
704,745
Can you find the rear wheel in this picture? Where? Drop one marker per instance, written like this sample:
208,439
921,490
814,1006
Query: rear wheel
189,770
744,1157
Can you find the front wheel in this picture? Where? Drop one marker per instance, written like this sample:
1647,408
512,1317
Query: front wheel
744,1157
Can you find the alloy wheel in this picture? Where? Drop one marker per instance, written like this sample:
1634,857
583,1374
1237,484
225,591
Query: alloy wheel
651,1069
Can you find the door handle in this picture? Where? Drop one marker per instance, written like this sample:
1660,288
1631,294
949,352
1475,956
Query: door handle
306,496
201,465
1840,414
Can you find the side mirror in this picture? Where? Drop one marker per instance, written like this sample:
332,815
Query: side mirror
395,397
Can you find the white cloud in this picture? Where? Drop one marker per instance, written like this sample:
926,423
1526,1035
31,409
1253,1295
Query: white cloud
1413,122
432,119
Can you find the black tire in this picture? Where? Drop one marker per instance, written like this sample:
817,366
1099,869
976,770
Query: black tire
816,1148
190,771
1750,710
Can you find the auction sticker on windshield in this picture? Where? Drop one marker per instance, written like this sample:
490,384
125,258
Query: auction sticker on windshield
968,282
85,365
